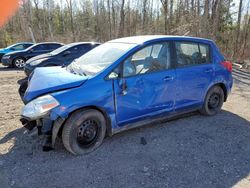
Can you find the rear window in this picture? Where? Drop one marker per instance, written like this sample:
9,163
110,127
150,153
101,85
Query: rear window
189,53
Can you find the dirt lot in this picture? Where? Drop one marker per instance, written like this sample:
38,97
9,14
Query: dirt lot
195,151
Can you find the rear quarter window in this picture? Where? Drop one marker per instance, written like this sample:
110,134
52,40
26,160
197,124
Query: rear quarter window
191,53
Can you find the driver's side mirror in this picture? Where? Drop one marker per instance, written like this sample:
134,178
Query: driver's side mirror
113,75
12,49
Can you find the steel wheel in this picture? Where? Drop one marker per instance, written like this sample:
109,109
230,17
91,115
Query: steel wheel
213,101
84,131
87,133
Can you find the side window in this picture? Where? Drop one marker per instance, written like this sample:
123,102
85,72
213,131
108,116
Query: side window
19,47
73,49
53,46
191,53
204,50
27,45
152,58
85,48
38,47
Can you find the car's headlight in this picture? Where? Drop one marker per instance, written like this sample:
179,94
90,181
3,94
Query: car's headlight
36,62
6,57
39,107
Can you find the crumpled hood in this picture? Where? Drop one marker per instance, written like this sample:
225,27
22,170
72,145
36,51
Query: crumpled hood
50,79
48,55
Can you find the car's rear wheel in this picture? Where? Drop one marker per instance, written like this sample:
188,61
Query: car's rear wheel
213,101
84,131
19,62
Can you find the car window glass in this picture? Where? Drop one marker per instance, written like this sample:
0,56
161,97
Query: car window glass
27,45
38,47
52,46
152,58
204,49
18,47
191,53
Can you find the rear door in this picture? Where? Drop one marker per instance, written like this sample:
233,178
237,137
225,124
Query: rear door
194,71
148,85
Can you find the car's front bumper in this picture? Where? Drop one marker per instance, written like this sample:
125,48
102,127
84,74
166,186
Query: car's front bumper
6,61
46,127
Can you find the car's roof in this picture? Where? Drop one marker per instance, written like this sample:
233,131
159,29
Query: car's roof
24,43
50,43
146,38
79,43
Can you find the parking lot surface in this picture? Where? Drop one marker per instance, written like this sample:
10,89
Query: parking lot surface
194,151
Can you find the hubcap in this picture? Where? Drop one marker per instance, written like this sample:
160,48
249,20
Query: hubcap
87,133
214,101
19,63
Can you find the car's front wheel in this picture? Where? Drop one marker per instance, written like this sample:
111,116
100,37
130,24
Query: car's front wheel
84,131
19,62
213,101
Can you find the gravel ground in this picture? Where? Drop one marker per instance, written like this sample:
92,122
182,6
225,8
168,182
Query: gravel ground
194,151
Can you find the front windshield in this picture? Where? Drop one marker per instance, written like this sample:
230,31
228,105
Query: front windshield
99,58
61,49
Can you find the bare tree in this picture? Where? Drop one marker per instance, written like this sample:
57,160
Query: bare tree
122,18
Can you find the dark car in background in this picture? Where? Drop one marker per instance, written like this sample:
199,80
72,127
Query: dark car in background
15,47
60,57
17,59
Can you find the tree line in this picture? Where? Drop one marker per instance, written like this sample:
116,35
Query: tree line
101,20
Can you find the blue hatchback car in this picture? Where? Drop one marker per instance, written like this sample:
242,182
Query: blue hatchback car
125,83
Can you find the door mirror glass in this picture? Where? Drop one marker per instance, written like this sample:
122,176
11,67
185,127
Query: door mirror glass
113,75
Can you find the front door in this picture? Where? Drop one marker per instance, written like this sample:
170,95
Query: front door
147,86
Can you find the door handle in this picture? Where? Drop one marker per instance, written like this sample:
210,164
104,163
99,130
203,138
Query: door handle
168,78
208,70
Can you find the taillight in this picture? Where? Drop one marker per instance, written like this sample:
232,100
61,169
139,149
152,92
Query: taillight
227,65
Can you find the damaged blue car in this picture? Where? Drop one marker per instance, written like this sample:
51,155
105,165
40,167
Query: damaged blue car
123,84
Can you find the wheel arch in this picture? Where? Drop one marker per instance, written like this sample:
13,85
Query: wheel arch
223,87
104,113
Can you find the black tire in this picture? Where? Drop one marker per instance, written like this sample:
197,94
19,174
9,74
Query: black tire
213,101
81,126
18,62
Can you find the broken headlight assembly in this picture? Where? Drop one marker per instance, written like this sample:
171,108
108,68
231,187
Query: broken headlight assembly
39,107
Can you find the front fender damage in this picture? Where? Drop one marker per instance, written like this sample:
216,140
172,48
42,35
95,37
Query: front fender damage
46,127
55,130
